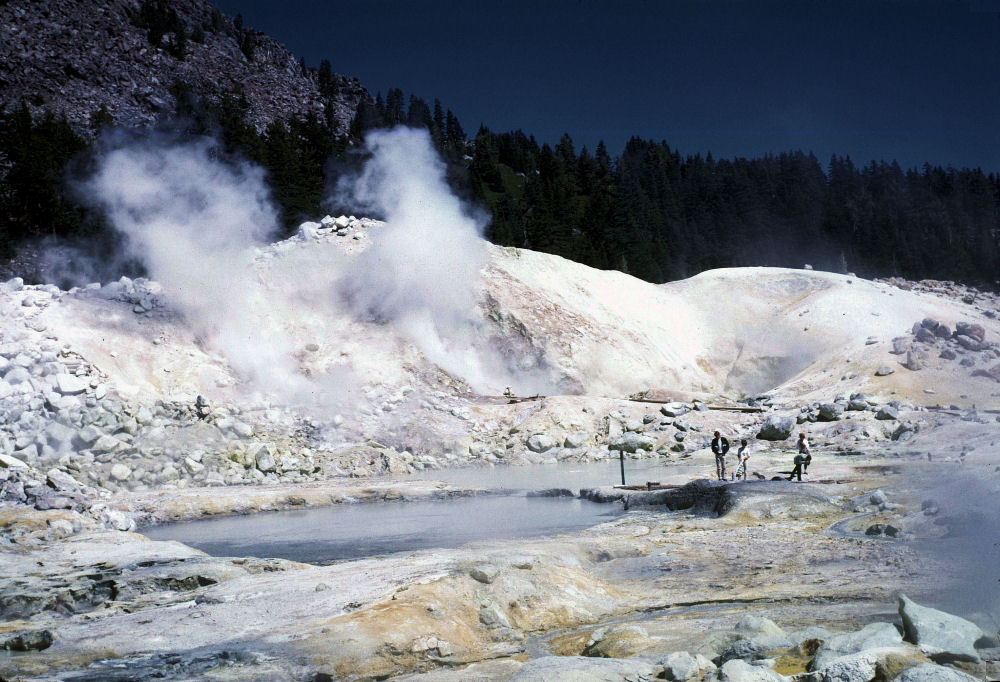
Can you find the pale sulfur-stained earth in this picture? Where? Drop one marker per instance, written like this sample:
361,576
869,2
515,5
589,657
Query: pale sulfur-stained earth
312,402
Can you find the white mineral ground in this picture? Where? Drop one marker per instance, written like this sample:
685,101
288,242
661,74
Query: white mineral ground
100,433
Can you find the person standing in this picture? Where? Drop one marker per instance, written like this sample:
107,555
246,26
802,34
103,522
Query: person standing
802,459
742,457
720,446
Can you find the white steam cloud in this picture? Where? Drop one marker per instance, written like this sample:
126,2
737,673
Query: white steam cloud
422,272
194,221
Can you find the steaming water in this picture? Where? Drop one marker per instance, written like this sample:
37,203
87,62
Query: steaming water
328,534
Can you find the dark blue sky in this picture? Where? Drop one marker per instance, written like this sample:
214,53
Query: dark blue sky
906,80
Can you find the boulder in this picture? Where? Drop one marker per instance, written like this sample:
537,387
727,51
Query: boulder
586,669
941,635
619,641
540,442
631,441
776,428
264,460
929,323
60,480
11,462
884,371
925,335
120,472
674,409
867,665
899,345
755,648
872,636
484,573
857,405
752,625
948,354
903,431
942,331
680,666
887,413
830,412
914,362
969,343
975,331
741,671
309,231
576,440
929,672
67,384
35,640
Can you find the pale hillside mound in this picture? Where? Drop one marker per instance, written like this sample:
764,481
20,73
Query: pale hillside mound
546,323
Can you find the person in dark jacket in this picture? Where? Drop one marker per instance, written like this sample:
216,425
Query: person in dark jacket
720,446
802,459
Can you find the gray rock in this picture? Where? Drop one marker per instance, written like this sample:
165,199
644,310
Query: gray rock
631,441
264,460
975,331
899,345
17,375
674,409
753,625
776,428
11,462
948,354
576,440
872,636
741,671
35,640
862,666
914,361
755,648
67,384
117,520
929,323
884,371
60,480
929,672
633,425
484,573
969,343
120,472
106,444
878,497
903,432
925,335
492,616
830,412
943,636
680,665
857,405
649,418
540,442
942,331
887,413
586,669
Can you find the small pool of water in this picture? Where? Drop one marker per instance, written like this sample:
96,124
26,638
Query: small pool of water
571,475
354,531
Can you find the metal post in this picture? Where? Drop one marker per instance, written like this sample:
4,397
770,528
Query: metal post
621,459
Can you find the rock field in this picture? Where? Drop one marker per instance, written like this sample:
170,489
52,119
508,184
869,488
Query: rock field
117,412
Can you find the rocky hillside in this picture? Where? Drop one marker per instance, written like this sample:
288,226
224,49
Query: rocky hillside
131,58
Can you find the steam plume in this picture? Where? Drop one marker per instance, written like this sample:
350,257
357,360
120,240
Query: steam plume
193,222
422,272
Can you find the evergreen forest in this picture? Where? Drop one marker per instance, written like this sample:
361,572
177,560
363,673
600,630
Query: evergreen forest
646,211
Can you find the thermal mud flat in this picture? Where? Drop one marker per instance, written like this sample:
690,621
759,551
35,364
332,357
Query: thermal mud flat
676,573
